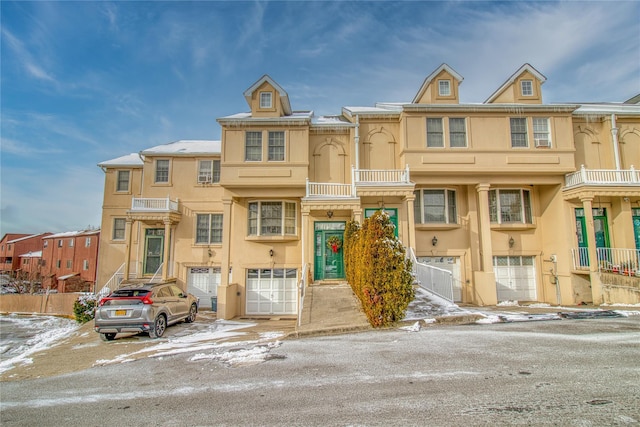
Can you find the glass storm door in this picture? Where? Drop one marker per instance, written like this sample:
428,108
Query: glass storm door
581,233
328,258
153,250
600,227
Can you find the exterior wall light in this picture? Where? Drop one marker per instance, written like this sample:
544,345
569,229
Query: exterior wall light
329,214
434,241
511,242
271,253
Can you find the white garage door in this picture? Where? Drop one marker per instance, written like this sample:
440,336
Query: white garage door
272,291
515,278
451,264
203,283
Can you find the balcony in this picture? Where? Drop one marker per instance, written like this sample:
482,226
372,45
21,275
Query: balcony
153,205
603,177
360,178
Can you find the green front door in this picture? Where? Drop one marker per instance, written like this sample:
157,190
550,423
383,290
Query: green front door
600,229
153,250
328,258
636,226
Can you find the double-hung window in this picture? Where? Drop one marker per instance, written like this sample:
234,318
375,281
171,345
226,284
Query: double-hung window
162,171
85,264
209,228
526,87
253,146
541,132
87,242
457,132
519,132
437,206
266,100
208,171
118,228
444,87
276,146
71,242
510,206
272,218
435,136
123,181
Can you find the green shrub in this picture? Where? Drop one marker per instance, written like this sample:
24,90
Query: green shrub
378,270
84,308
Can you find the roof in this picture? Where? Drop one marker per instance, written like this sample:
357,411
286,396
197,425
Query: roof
284,96
526,67
72,234
130,160
608,108
185,147
35,254
331,121
430,77
31,236
68,276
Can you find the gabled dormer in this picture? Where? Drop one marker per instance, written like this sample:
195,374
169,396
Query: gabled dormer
266,98
440,87
523,87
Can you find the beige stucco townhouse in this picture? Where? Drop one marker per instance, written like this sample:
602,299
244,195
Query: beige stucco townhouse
518,199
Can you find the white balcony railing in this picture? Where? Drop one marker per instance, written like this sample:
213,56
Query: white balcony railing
603,177
328,189
381,176
610,260
154,205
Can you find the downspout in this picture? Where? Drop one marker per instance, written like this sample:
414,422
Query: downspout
614,136
357,141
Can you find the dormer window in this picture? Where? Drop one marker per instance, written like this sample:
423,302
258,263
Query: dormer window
266,100
526,87
444,87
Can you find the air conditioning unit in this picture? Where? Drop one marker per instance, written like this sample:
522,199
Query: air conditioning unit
543,143
204,178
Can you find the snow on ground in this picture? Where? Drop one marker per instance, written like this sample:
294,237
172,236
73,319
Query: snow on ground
23,336
207,338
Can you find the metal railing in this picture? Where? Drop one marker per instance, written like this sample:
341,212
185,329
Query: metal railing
147,204
115,281
378,176
603,177
435,280
610,260
302,286
155,277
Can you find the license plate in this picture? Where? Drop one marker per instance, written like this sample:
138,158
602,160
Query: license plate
121,312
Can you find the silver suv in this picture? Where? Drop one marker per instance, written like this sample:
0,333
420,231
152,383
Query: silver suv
145,307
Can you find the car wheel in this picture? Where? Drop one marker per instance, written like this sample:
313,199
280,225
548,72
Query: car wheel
158,327
192,314
109,336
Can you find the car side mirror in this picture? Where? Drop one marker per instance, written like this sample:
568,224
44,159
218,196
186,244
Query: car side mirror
181,295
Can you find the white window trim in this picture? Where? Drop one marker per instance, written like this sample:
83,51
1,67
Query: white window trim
446,132
523,212
118,181
526,121
284,146
540,142
466,132
246,156
446,206
208,242
124,230
264,106
440,87
522,87
283,224
155,172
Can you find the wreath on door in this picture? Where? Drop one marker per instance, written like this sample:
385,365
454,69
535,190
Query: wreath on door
334,243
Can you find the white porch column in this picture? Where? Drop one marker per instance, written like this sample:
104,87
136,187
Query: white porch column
166,249
127,251
485,279
596,285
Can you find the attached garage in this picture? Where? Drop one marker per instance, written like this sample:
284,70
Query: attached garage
515,278
203,283
272,291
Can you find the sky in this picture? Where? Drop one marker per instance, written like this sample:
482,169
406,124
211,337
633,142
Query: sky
85,82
